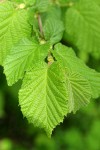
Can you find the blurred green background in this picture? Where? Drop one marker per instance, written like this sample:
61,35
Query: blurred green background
80,131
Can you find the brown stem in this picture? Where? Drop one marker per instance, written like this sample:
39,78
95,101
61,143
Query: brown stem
40,25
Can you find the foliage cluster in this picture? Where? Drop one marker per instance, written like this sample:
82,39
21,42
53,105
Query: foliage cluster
40,43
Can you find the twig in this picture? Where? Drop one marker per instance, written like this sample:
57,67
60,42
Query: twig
40,25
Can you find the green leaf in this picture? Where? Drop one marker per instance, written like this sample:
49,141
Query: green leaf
13,27
23,56
82,23
68,59
43,97
53,26
50,92
53,30
78,89
53,12
42,6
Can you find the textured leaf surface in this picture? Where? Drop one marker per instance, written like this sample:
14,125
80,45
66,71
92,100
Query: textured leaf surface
43,97
53,30
67,57
49,93
22,57
13,26
83,25
78,89
53,26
